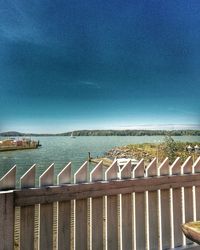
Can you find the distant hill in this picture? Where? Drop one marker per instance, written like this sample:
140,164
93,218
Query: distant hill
131,132
110,133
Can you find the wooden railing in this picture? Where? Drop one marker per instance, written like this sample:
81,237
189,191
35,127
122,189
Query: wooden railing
140,208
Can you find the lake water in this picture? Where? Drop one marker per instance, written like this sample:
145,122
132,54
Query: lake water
60,150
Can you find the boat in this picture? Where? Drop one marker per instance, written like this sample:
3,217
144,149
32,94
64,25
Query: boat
19,144
122,161
72,136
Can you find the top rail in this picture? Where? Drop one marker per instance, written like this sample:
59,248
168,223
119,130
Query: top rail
66,192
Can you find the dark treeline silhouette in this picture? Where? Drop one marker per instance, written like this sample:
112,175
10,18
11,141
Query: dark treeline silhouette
110,133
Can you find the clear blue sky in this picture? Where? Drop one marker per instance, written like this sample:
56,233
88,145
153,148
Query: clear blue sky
96,64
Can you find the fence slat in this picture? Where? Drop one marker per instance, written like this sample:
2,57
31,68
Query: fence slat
27,213
186,168
64,177
152,207
64,212
196,169
81,212
165,215
7,220
139,231
175,169
97,220
46,212
8,181
127,211
112,209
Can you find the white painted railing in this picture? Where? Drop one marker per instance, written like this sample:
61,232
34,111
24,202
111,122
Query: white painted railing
140,208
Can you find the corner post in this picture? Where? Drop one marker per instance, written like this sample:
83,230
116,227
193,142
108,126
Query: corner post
7,220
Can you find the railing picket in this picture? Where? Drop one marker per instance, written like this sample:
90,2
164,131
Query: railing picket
152,207
127,211
97,220
163,169
186,168
139,231
46,212
81,212
64,212
7,220
175,169
112,211
8,181
27,213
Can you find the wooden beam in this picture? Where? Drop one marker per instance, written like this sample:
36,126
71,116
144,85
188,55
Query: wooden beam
80,191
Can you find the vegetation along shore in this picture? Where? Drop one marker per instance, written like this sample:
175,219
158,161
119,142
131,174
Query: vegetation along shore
111,133
169,148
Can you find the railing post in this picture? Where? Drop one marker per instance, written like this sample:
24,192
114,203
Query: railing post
7,220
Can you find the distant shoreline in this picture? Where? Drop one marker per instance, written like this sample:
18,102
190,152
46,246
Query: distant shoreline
109,133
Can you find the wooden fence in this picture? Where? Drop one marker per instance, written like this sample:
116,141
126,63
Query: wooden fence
140,208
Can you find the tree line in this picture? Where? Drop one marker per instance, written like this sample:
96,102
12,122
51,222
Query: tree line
111,133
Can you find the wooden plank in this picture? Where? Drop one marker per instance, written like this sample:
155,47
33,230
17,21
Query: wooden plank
139,228
165,211
97,173
186,168
98,239
46,212
81,212
196,166
126,211
7,220
175,169
82,191
64,177
64,212
27,213
112,218
196,169
8,181
152,207
139,170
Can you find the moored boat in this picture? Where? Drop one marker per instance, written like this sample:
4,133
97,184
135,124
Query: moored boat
13,144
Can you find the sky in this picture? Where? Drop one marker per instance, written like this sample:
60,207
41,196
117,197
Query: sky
96,64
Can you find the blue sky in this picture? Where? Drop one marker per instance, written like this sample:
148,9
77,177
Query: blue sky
93,64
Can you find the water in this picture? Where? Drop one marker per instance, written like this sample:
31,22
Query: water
60,150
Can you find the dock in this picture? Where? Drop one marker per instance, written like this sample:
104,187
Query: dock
106,161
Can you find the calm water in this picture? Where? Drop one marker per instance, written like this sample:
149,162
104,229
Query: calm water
60,150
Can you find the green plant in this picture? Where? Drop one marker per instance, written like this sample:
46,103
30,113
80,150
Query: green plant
170,148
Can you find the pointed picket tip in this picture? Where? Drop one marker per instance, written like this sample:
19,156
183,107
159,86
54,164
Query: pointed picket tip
163,169
196,166
81,174
46,179
186,167
28,179
8,181
125,171
97,173
112,172
151,169
138,170
64,177
175,168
